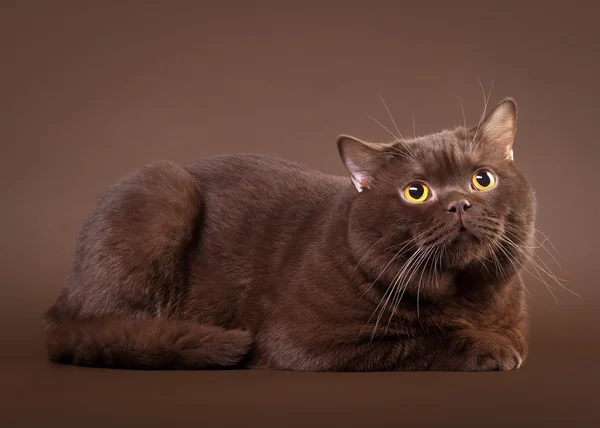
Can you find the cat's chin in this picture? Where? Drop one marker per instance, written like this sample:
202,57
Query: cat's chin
464,249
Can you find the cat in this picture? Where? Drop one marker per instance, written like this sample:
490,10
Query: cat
410,262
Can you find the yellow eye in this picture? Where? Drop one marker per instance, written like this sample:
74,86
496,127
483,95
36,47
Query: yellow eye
416,192
483,180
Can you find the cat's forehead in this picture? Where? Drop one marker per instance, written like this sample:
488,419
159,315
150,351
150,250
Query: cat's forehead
447,152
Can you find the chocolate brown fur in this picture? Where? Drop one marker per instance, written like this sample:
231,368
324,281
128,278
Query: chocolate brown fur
252,261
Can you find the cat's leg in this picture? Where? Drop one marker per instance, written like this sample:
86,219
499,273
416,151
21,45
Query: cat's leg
122,305
463,350
479,350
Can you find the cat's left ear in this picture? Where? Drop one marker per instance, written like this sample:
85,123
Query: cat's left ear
362,160
500,126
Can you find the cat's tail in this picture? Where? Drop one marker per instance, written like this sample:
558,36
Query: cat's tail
145,344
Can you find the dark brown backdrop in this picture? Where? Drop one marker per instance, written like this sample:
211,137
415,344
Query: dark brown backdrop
90,91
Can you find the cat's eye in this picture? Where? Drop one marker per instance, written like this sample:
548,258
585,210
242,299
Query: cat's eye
416,192
483,180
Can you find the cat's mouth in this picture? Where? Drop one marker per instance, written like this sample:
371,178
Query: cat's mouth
463,236
463,245
461,231
458,244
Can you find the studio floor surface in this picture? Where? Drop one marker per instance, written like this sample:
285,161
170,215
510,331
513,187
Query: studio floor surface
558,387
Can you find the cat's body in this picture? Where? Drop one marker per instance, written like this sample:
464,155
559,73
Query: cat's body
246,260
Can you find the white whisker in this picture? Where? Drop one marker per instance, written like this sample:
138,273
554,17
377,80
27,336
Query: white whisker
384,127
391,117
414,127
462,109
486,101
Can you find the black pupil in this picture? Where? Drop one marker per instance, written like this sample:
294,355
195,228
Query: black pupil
483,178
416,191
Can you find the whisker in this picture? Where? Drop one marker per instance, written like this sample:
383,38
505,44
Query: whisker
548,239
540,245
389,291
547,270
421,261
439,256
396,139
524,286
462,108
539,268
412,154
398,254
485,100
383,126
411,266
512,262
414,127
362,258
531,257
391,117
421,278
497,263
396,153
538,277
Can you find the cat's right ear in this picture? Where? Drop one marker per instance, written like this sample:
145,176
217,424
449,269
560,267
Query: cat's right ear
361,159
500,126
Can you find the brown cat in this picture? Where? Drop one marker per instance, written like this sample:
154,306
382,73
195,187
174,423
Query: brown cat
252,261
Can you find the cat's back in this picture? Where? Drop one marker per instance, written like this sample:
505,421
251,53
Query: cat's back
243,163
249,178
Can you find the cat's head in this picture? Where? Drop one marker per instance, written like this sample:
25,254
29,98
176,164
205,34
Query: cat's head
453,200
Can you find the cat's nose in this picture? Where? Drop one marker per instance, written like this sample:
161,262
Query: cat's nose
459,207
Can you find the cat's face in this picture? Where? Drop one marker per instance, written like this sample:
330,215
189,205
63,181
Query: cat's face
445,201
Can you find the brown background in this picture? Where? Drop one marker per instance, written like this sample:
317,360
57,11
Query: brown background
90,91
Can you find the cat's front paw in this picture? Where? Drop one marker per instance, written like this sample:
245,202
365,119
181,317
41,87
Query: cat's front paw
486,352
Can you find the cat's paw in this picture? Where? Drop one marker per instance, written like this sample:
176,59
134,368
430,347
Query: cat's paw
489,352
